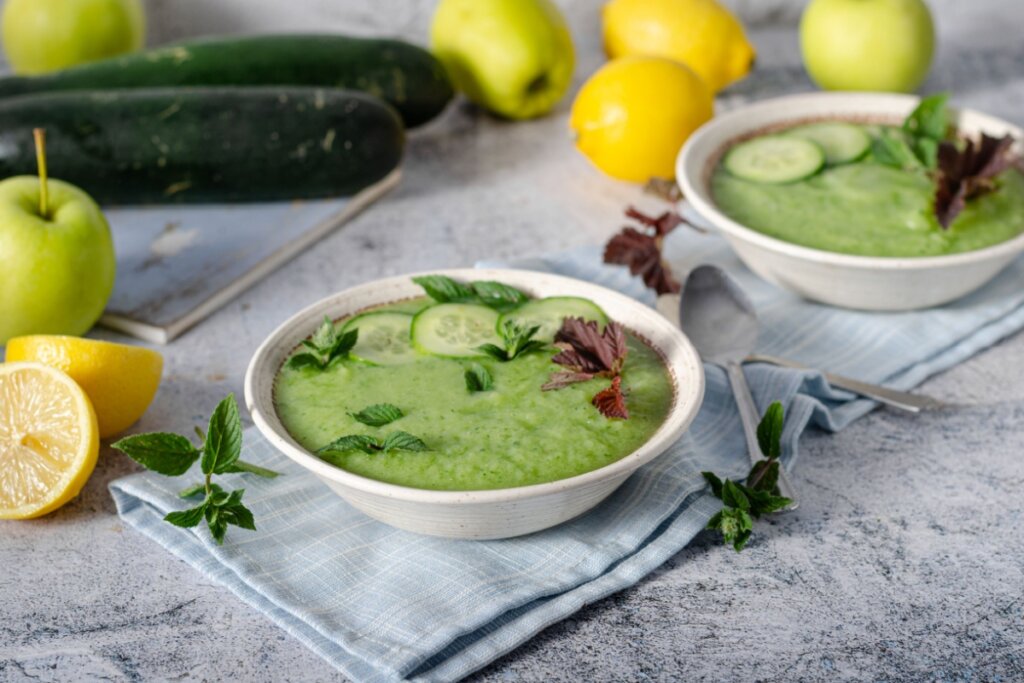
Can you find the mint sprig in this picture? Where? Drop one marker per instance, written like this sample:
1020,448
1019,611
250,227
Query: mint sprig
497,295
759,495
220,450
518,340
324,346
915,145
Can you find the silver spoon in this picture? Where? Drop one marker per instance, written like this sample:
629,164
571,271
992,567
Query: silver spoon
720,321
668,306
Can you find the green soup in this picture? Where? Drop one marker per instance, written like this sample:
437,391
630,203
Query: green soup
869,209
512,435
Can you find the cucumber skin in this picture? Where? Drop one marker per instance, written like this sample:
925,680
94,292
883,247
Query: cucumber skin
408,77
205,144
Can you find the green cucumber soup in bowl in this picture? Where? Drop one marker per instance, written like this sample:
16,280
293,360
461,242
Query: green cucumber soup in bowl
862,200
474,404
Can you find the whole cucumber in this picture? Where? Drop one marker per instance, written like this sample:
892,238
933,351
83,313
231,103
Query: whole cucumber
205,144
405,75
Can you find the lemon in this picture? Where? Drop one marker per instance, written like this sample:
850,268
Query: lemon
702,34
48,439
120,380
633,115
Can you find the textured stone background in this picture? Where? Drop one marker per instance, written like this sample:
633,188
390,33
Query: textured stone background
905,561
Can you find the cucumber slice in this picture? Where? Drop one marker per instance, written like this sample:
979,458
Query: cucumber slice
841,142
455,330
550,312
774,159
384,338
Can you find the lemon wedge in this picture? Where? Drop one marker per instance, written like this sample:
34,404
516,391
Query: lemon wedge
120,380
48,439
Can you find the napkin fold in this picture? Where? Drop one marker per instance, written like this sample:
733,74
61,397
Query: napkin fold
382,604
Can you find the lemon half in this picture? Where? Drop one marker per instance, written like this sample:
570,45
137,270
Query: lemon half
49,439
121,380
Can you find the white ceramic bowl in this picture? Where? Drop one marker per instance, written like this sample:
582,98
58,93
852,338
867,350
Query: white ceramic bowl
497,513
863,282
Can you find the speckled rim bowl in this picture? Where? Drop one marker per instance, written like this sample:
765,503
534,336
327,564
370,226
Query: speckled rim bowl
860,282
499,513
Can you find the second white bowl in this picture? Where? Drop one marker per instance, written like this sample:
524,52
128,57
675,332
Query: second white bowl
861,282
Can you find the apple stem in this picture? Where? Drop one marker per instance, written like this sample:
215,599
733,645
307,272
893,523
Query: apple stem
40,136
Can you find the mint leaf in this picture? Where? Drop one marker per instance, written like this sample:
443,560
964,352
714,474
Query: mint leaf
342,345
769,431
304,360
892,149
187,518
764,476
715,482
478,378
223,437
351,442
169,454
494,351
402,441
927,151
930,118
323,338
378,415
445,290
192,491
733,495
242,466
498,295
233,512
518,340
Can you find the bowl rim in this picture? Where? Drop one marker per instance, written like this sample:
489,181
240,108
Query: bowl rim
689,395
751,118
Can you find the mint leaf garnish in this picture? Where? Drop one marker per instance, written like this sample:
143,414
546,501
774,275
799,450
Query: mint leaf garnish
187,518
915,145
351,442
324,346
378,415
478,378
169,454
759,494
223,437
402,441
395,441
497,295
518,340
930,118
173,455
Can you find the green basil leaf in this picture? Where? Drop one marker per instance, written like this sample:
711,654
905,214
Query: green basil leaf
169,454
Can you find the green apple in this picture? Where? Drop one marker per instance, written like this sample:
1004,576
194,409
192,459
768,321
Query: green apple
57,269
46,35
512,57
867,44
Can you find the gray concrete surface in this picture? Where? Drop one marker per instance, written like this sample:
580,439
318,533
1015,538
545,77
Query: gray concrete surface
905,561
